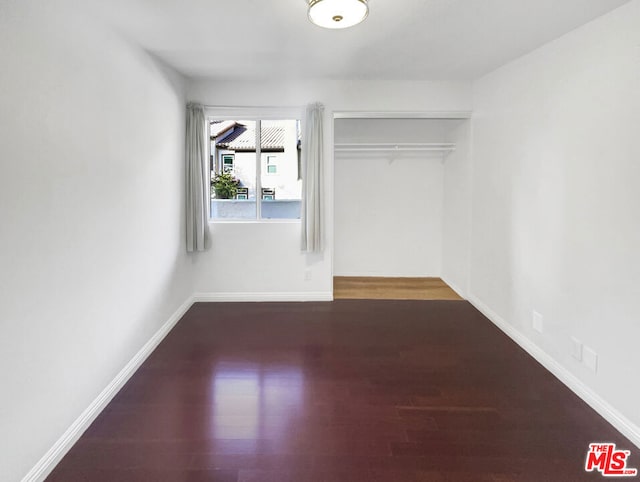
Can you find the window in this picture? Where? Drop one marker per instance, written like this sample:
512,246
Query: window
257,176
272,167
227,162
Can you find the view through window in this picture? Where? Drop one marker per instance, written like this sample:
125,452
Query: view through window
251,179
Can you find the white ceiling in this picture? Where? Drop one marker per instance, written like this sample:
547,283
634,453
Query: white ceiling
401,39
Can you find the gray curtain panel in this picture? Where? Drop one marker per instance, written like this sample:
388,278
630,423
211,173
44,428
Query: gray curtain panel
197,179
312,180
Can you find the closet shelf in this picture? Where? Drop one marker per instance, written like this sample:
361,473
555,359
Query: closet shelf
396,147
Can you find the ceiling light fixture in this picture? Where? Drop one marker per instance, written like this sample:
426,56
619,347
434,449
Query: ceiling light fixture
337,13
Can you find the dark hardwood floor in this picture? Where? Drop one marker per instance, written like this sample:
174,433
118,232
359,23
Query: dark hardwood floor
344,391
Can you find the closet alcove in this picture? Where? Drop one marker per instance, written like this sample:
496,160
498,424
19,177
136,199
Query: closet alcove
397,219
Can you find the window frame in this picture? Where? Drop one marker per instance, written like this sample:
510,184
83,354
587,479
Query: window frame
256,114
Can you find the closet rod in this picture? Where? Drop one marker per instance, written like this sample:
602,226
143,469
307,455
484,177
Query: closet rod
400,147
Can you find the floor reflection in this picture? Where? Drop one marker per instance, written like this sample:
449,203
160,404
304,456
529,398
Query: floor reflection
255,402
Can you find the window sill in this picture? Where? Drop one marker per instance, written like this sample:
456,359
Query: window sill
254,221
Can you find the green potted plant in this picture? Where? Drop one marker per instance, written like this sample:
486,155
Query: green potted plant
225,185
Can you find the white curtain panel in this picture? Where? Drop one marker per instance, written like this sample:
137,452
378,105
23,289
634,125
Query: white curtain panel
312,182
197,195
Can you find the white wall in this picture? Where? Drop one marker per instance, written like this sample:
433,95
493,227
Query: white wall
91,199
392,130
556,209
273,250
388,217
457,209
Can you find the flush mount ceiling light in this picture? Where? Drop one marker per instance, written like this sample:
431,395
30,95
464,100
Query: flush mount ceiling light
337,13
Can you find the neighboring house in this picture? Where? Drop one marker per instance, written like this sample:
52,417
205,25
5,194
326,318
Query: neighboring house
233,149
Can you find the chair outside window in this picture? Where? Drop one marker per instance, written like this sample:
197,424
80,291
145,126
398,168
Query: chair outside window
243,193
268,194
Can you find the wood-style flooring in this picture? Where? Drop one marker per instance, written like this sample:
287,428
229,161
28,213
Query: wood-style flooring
345,391
383,288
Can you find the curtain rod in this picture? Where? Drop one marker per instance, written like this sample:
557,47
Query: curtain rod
253,106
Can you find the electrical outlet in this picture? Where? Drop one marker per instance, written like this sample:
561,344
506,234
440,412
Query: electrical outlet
576,348
536,321
590,359
307,275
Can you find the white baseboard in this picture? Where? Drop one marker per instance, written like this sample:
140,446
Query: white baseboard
595,401
48,462
267,296
454,287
